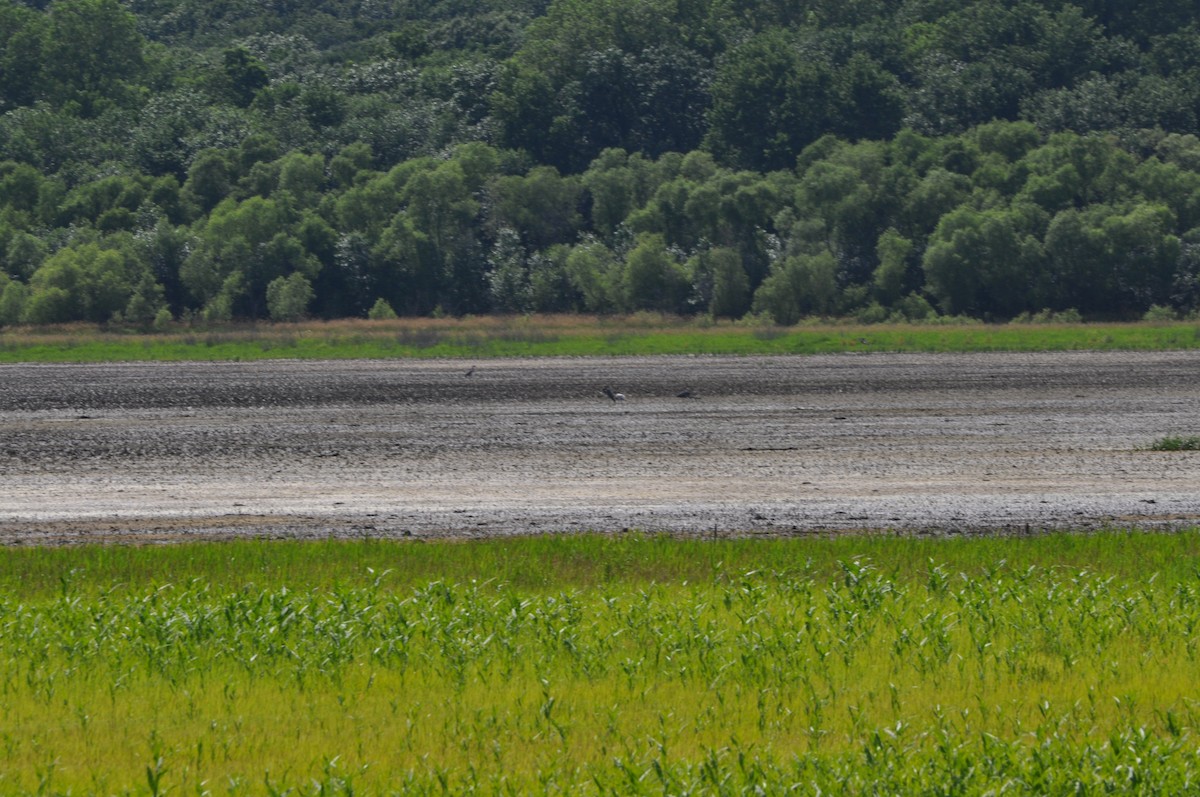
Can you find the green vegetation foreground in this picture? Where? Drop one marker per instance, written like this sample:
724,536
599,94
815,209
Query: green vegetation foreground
591,664
570,335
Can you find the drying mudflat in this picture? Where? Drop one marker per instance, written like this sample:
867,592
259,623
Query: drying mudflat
920,443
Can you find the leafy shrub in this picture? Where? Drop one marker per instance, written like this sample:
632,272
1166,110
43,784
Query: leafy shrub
915,307
163,319
381,310
1158,312
288,297
1048,316
873,313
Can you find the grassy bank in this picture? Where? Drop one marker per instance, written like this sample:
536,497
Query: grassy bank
567,336
591,664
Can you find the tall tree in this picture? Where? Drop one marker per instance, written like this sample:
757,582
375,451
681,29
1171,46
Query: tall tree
92,51
769,102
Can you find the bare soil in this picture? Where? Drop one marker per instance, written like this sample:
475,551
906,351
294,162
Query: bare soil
915,443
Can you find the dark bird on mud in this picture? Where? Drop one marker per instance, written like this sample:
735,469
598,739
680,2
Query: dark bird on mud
470,371
608,391
689,393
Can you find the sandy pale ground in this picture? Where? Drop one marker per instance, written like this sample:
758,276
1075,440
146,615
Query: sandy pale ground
778,445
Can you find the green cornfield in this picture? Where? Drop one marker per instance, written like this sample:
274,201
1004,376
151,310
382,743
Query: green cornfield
598,665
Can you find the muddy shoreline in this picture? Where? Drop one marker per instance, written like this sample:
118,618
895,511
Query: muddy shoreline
941,444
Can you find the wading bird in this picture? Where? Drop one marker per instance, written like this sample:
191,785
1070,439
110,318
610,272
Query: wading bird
608,391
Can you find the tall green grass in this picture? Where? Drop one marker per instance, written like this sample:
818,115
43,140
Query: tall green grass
571,336
604,665
1176,443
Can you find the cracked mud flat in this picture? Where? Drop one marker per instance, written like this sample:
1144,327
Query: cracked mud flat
774,445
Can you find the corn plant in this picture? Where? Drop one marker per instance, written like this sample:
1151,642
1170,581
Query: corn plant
849,676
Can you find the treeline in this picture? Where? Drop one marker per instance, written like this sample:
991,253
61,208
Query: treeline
907,159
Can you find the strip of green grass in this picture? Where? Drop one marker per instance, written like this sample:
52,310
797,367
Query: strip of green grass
585,338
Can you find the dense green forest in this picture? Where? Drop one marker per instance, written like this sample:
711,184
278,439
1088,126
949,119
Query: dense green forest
905,159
